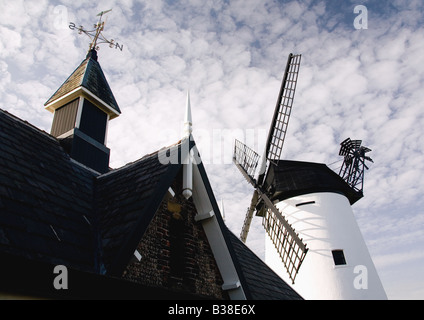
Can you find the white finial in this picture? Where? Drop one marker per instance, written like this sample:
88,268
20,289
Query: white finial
187,119
188,164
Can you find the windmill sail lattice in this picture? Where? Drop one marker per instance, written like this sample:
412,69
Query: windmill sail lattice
282,112
290,247
246,160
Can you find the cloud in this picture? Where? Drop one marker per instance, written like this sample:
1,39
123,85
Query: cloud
9,12
11,41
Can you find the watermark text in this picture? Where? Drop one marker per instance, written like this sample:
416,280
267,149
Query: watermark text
361,20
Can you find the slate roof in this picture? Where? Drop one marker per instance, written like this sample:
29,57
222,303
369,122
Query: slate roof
89,75
54,210
45,198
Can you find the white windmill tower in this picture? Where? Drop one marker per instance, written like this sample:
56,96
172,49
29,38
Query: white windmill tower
312,237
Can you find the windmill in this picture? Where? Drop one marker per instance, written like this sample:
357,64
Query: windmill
306,210
353,167
291,248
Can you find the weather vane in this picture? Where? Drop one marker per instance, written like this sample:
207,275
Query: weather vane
96,34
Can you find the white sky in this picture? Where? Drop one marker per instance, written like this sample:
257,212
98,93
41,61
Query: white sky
364,84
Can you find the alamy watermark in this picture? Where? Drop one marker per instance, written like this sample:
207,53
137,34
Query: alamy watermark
361,20
60,17
360,282
61,280
215,146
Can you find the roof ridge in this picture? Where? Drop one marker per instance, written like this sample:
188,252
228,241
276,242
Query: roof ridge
143,158
93,67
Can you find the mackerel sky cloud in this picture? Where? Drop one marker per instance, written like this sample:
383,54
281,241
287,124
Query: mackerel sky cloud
359,83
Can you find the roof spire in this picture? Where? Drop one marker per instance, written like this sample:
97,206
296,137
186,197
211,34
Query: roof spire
187,119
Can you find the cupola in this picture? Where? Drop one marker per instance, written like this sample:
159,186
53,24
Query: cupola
82,107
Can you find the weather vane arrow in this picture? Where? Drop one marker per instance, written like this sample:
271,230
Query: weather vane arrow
96,34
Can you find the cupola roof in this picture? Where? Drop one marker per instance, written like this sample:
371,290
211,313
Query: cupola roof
89,78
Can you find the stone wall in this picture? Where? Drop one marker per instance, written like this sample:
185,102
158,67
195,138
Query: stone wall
175,251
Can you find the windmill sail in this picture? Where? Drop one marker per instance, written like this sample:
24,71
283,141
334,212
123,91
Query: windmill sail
290,253
249,216
246,161
289,246
282,112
